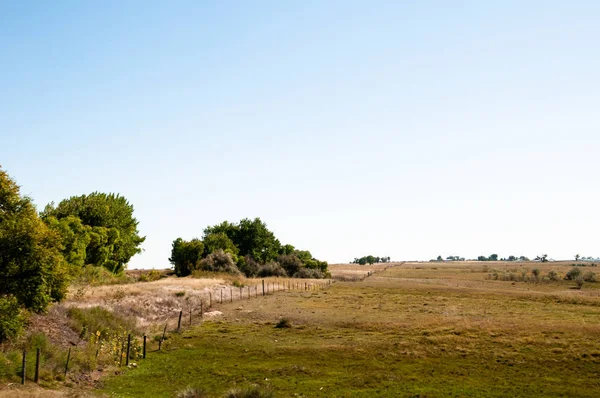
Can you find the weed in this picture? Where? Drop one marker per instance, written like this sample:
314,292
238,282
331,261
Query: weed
192,392
283,323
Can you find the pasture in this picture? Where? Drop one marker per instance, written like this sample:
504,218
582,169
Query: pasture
413,330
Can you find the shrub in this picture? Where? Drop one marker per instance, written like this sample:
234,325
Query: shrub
535,273
248,266
552,275
573,274
283,323
151,276
589,276
290,263
219,261
12,318
308,273
271,269
579,282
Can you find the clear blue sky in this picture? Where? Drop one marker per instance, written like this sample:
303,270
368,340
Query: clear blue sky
400,128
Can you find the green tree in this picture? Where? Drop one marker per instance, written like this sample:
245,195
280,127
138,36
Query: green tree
251,237
32,268
219,241
75,238
185,256
114,237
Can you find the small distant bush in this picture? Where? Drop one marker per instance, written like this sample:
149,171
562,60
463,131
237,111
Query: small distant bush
151,276
192,392
535,273
579,282
179,294
283,323
589,276
271,268
252,392
553,275
12,318
573,274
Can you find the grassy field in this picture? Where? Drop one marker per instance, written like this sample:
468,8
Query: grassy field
415,330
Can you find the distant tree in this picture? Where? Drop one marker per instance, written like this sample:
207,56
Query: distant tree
185,256
251,237
577,256
111,232
287,249
523,258
32,269
482,258
439,258
543,258
493,257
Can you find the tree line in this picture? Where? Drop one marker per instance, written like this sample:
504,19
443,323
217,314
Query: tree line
247,247
40,253
370,260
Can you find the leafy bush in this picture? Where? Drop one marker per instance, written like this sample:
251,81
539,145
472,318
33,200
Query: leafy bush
271,269
12,318
308,273
290,263
552,275
219,261
573,274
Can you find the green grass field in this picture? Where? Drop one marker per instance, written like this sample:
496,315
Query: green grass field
411,331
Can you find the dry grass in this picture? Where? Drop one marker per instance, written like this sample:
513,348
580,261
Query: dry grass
389,334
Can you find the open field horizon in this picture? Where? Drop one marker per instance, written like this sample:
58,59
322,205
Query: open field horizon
414,330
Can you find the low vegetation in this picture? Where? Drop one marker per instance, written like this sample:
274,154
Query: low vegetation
413,330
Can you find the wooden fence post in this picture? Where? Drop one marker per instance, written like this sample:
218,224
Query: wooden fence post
163,336
221,296
144,349
129,348
37,366
178,322
24,370
190,316
67,365
263,283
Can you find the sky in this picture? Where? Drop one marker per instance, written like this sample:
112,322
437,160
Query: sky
394,128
